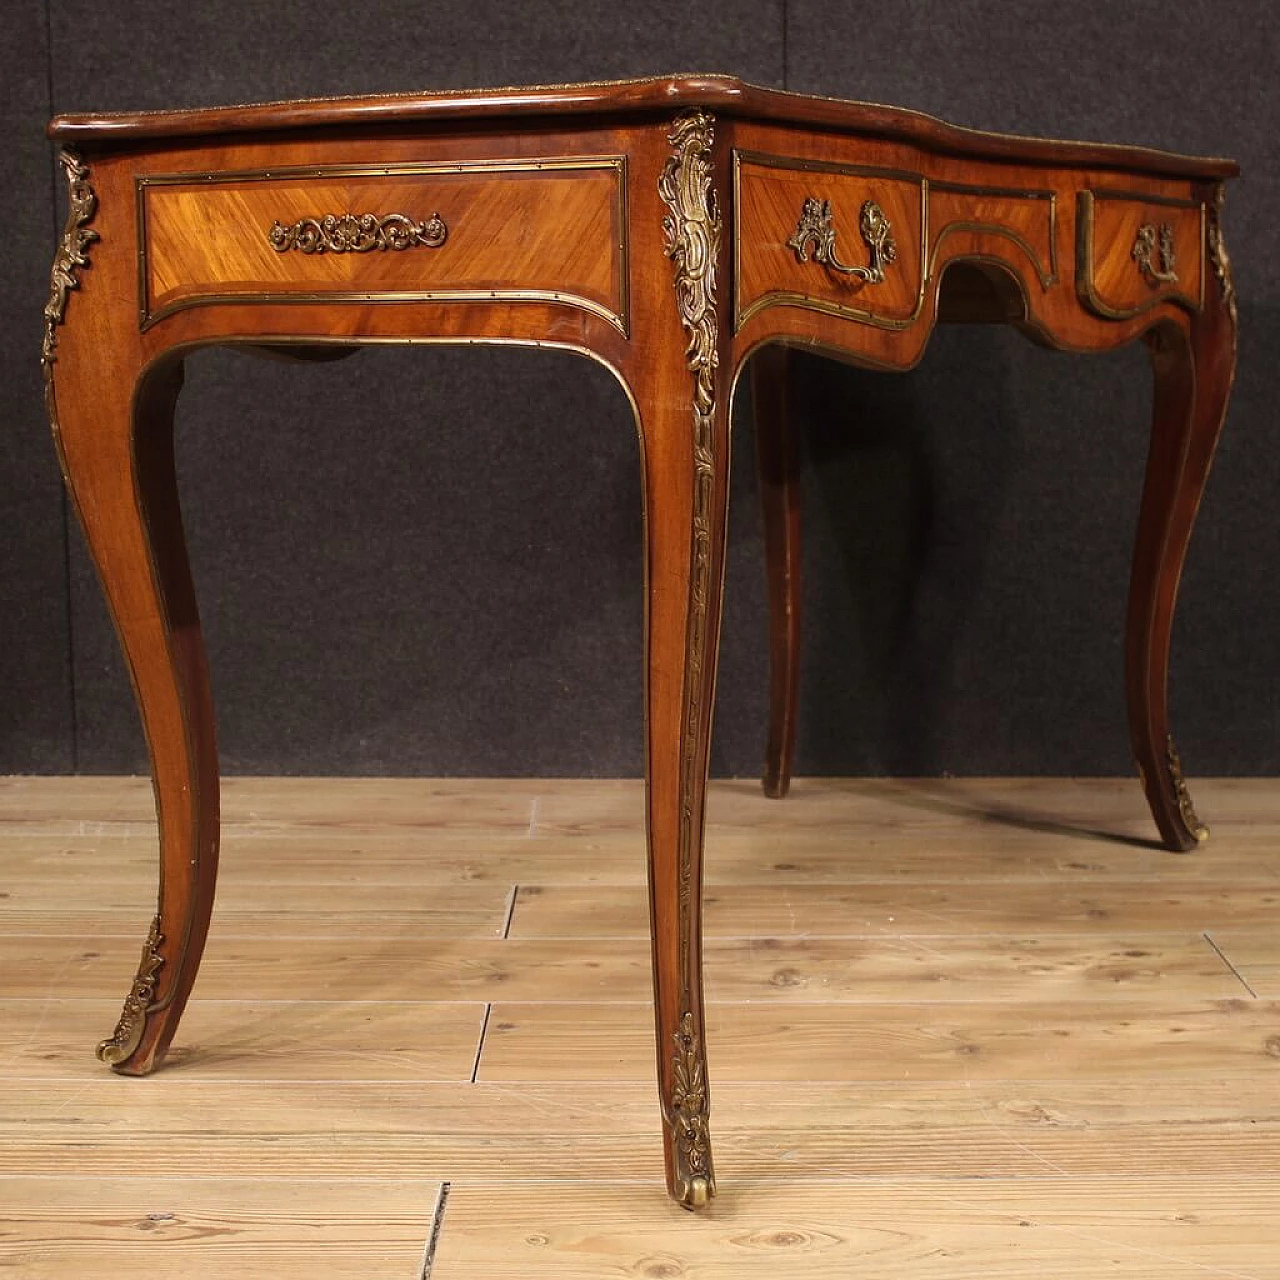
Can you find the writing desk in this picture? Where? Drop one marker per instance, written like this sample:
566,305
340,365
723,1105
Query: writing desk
668,228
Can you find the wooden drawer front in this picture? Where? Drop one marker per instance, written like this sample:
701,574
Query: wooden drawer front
548,230
976,221
786,211
1135,252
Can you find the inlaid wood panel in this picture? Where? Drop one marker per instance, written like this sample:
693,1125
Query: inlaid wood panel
548,230
976,220
1137,251
774,264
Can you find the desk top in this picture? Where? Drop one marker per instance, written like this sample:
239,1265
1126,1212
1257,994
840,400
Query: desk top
640,97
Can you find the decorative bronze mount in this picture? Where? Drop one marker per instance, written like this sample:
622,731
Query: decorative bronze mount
692,235
358,233
1145,246
133,1019
1183,796
72,253
1221,260
689,1109
815,225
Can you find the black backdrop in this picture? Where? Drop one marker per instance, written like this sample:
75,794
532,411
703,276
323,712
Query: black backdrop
428,561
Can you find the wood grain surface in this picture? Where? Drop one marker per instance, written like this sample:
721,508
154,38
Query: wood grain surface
978,1027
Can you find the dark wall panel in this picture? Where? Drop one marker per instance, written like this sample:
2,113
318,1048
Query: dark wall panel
970,522
429,560
35,694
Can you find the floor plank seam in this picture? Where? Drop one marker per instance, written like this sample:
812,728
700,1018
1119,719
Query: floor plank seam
511,911
1244,982
433,1240
484,1031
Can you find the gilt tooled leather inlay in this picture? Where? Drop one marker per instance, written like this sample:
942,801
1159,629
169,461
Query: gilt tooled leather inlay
692,232
357,233
72,253
816,227
133,1019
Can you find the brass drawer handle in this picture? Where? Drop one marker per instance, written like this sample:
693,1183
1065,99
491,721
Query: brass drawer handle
1143,248
357,233
815,225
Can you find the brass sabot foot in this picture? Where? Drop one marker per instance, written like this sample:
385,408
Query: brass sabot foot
695,1192
1186,809
127,1036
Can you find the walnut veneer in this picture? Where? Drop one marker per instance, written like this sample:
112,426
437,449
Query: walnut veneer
670,229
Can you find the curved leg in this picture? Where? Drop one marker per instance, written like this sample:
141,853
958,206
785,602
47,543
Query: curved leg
778,462
685,586
116,446
1194,368
681,398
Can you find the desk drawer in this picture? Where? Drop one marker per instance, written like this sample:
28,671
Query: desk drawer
847,241
1135,252
546,230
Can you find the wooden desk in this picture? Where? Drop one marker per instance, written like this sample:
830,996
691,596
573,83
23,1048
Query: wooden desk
668,229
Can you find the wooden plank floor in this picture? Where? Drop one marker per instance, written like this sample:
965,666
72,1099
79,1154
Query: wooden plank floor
957,1029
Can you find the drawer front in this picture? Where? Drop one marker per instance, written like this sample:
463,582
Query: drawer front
544,230
968,220
1135,252
844,240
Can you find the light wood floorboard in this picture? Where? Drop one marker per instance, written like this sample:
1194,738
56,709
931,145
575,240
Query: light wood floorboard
957,1028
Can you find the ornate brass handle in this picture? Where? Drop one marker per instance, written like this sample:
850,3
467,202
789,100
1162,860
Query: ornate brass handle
1145,245
815,226
357,233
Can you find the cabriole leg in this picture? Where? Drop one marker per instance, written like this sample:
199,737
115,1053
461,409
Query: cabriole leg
684,600
778,463
116,445
1194,368
681,399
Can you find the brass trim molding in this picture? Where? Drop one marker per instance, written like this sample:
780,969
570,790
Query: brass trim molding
1185,807
392,296
816,227
357,233
71,255
1086,289
619,319
691,236
137,1004
1149,241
